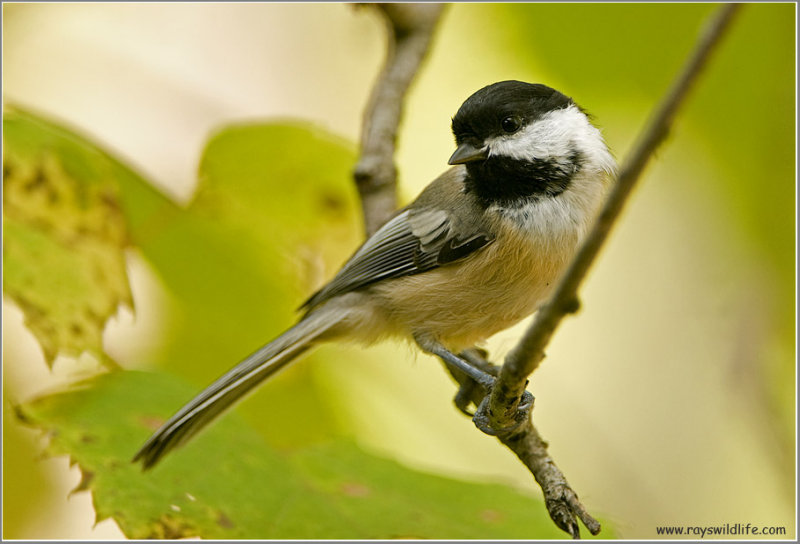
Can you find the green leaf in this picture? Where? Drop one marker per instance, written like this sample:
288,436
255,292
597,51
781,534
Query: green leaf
230,484
64,234
274,214
289,185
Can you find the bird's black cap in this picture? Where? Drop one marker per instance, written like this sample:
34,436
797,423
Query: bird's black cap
482,113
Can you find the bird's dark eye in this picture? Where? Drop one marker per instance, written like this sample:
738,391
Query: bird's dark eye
510,124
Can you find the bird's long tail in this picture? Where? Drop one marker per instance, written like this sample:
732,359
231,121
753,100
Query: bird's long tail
233,386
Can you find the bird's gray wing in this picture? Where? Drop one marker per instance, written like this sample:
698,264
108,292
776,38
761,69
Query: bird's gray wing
414,241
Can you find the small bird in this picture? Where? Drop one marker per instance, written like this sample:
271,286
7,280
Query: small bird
480,248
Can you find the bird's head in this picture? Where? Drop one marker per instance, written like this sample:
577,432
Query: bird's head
522,141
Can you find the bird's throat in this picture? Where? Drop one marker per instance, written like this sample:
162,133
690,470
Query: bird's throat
508,182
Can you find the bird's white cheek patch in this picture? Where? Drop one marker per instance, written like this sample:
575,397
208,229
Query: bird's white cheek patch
558,134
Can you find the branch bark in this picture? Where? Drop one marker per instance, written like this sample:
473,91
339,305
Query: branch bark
561,501
410,28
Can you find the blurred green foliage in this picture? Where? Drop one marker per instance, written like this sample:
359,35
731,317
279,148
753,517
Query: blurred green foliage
240,259
743,106
231,484
17,459
63,236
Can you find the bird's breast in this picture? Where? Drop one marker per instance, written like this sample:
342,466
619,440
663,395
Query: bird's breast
470,300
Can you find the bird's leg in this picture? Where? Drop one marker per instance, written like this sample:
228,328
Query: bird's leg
434,347
478,376
479,358
469,392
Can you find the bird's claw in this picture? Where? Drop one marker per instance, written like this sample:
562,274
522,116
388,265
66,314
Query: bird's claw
483,419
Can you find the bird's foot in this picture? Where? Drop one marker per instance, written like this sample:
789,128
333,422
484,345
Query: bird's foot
477,378
483,415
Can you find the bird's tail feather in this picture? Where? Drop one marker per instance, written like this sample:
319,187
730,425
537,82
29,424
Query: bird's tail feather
233,386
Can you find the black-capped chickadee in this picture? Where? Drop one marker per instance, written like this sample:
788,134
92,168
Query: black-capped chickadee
480,249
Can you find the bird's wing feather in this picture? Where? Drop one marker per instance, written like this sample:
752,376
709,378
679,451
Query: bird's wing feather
414,241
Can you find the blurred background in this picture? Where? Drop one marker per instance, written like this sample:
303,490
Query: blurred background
668,400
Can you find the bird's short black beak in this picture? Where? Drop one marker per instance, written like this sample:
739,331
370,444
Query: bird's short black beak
468,153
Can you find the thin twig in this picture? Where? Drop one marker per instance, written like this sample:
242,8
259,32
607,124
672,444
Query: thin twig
560,499
410,28
529,352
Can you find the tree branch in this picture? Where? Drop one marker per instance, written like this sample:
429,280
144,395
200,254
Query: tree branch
410,28
527,355
561,501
